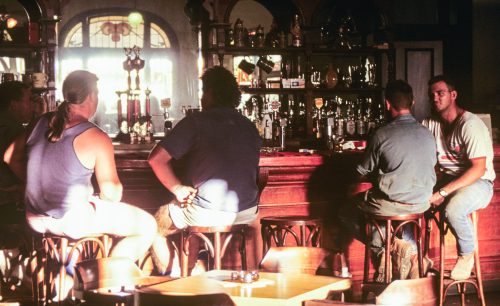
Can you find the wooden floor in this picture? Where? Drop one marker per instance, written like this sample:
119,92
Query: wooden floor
492,299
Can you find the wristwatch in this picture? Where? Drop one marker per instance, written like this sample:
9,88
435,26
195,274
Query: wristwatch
443,193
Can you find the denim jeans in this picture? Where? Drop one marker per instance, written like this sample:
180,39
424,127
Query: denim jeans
459,205
352,219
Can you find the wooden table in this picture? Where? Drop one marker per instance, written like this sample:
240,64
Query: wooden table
270,289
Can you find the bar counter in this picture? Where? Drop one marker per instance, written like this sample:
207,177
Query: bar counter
314,185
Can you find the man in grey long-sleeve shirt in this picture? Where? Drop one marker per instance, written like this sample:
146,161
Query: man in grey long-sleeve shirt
401,157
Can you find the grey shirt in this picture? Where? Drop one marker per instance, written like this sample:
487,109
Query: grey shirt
402,156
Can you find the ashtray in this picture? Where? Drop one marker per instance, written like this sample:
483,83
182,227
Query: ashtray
244,276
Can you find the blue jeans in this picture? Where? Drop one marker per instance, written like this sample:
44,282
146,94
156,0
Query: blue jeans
352,219
459,205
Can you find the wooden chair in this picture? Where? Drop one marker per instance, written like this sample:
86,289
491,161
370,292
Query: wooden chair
110,281
216,239
158,299
410,292
56,255
277,229
294,259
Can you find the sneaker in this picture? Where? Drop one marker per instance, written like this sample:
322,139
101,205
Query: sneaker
428,263
463,267
401,252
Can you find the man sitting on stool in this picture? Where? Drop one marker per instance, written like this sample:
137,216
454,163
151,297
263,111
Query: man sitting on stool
401,157
465,157
220,148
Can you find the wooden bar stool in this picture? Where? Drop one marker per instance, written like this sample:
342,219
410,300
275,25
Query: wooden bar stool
445,282
387,240
55,256
278,228
221,235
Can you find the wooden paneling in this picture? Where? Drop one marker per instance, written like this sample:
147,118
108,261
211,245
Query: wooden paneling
317,186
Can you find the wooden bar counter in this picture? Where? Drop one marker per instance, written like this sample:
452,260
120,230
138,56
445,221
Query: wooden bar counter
308,184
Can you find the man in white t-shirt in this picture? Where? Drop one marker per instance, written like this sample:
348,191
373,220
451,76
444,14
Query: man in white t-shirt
465,158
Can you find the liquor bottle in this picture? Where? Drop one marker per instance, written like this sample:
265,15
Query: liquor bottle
361,124
301,123
296,31
381,115
371,125
268,131
167,125
317,124
276,129
339,122
350,125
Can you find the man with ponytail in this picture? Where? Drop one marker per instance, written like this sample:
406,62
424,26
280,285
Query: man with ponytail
63,151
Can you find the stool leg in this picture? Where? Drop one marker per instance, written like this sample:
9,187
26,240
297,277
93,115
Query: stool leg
441,258
302,235
420,248
243,250
388,242
184,252
217,251
62,269
265,232
477,264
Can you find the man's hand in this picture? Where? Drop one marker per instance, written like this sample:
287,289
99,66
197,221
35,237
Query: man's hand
436,199
184,194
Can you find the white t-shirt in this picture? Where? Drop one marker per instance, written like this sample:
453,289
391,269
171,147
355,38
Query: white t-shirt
469,139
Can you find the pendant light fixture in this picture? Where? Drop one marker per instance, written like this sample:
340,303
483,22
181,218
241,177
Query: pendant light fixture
135,17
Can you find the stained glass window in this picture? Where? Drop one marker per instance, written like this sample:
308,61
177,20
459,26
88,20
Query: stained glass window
96,43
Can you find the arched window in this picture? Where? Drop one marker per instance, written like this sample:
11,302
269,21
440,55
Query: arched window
96,43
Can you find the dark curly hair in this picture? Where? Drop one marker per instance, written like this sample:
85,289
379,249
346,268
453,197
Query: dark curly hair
223,86
11,91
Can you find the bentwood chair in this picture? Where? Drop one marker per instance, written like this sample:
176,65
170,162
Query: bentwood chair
157,299
294,259
409,292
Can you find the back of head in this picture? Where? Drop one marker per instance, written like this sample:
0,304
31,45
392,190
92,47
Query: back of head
223,86
77,86
399,94
11,91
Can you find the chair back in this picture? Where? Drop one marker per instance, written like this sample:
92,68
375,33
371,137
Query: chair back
294,259
411,292
106,273
157,299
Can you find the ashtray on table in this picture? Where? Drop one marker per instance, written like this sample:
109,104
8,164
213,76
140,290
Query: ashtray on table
244,276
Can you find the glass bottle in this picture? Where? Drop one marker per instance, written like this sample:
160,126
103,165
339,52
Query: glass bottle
350,125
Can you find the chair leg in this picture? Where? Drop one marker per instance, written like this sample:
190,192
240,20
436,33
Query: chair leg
243,250
217,251
184,252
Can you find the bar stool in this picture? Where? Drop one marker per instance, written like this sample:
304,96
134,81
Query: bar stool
445,282
221,235
387,240
54,257
278,228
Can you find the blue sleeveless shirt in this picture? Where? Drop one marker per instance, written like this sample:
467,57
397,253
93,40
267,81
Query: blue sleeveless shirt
56,179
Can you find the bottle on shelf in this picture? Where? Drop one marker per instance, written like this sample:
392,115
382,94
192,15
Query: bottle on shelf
350,124
339,120
361,122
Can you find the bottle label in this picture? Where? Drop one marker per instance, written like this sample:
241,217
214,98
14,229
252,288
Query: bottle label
350,127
